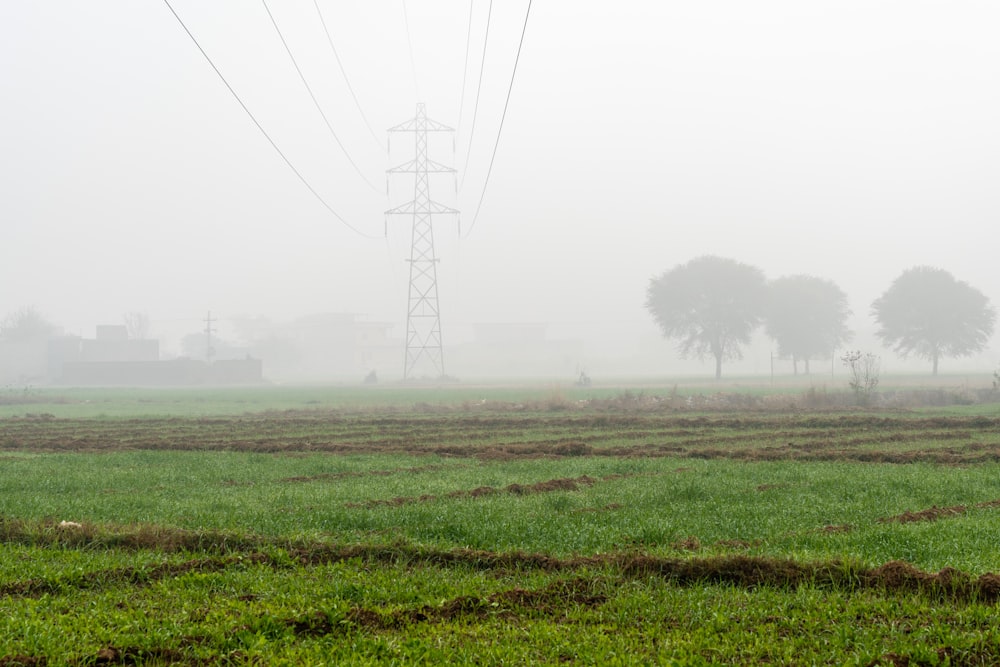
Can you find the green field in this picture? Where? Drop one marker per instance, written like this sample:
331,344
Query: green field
497,525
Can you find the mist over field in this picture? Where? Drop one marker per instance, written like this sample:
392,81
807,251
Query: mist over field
557,332
849,141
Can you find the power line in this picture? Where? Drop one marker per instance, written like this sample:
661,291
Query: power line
315,101
409,42
262,130
346,80
479,88
465,68
502,117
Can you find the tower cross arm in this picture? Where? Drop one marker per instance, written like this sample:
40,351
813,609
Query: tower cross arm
421,125
431,167
410,208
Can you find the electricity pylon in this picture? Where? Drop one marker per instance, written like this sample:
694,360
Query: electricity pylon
423,316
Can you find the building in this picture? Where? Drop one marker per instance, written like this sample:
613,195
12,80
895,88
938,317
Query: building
112,359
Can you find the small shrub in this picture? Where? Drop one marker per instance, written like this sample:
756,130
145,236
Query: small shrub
863,369
815,397
556,401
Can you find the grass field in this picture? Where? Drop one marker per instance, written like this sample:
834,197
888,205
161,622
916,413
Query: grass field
497,526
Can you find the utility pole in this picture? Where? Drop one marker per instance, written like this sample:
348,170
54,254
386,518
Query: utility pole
423,316
209,350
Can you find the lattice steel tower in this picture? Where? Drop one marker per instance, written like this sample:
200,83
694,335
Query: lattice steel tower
423,316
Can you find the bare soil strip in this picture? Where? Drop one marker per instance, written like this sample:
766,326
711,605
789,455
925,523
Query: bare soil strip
753,437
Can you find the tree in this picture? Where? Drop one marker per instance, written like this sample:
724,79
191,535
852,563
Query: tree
25,324
806,317
927,312
137,325
711,304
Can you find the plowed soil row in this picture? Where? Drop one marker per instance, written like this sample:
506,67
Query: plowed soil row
111,655
765,437
935,513
561,484
736,570
553,600
333,476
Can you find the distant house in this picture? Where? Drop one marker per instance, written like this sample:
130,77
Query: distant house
112,344
112,359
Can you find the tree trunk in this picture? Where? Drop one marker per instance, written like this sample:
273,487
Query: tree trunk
718,367
934,356
795,365
807,365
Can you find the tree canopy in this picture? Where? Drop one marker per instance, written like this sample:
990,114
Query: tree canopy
25,324
806,317
928,313
710,304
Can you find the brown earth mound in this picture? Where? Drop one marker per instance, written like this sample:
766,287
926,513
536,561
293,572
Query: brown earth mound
842,528
23,661
932,514
561,484
935,513
137,656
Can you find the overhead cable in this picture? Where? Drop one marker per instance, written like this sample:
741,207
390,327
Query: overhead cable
340,64
263,131
502,117
409,42
465,67
479,88
315,101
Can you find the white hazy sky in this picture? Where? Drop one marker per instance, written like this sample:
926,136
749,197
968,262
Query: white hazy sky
847,139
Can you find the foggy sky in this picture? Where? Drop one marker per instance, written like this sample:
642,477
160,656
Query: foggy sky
847,140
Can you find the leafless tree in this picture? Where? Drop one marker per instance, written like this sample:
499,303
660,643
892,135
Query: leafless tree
25,324
137,325
864,370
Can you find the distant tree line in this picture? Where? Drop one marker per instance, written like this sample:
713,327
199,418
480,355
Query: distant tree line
712,306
